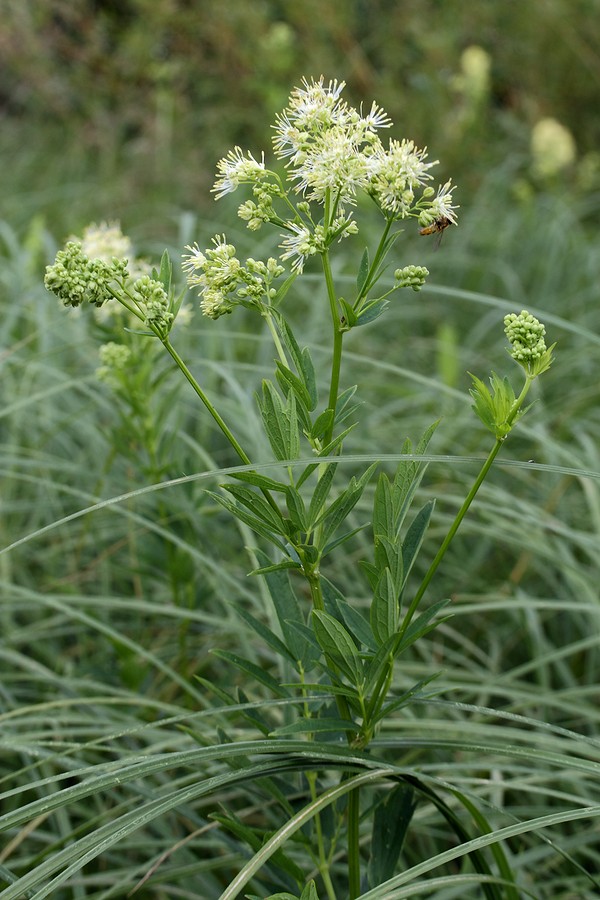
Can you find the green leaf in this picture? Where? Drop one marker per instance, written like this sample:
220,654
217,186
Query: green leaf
289,612
317,726
409,475
252,714
276,567
390,824
321,492
384,608
280,421
363,272
309,893
378,663
265,633
337,645
296,509
290,341
331,545
253,670
335,447
308,371
350,318
343,505
384,513
252,521
286,377
414,536
389,555
322,423
372,311
406,697
357,624
344,406
283,289
423,624
260,481
257,505
165,274
253,837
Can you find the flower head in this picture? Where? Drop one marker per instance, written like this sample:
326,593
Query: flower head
75,278
528,347
395,174
441,208
223,282
323,138
104,241
235,169
411,276
153,302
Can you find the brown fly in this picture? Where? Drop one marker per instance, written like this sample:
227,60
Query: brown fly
437,227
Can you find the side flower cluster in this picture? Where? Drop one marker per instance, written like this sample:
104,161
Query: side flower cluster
222,280
75,278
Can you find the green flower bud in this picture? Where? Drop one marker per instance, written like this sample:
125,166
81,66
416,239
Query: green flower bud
528,347
411,276
75,278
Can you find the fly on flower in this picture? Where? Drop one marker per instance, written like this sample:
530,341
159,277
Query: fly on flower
438,226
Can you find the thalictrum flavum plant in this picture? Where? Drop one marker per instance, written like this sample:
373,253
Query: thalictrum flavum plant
343,662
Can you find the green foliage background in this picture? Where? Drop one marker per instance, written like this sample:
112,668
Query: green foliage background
120,110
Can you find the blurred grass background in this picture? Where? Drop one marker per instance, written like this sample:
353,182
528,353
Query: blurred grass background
120,110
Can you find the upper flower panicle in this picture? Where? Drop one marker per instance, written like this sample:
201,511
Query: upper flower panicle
323,139
312,109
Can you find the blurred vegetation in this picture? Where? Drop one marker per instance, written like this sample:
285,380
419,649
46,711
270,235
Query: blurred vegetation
130,103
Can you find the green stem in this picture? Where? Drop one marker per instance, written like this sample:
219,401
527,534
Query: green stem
379,253
353,844
268,315
314,581
449,536
336,361
384,681
220,422
462,511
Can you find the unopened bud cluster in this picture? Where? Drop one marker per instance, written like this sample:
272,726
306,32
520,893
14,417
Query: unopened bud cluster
411,276
526,335
76,279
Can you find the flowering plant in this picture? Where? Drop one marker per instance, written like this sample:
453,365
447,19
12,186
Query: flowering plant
342,663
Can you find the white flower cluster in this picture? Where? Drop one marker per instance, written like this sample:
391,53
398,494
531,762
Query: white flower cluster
222,280
331,152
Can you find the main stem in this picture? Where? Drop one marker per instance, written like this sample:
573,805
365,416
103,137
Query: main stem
336,361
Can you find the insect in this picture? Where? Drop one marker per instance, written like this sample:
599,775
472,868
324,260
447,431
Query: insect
437,227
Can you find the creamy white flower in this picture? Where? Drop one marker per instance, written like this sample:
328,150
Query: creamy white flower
442,206
395,173
105,241
235,169
298,245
